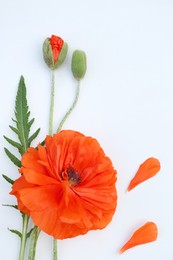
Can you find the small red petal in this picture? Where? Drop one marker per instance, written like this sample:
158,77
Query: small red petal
145,234
146,170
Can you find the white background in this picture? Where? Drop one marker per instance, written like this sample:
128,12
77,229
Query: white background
126,102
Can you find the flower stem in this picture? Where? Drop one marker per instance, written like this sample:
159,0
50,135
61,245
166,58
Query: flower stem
33,243
55,257
71,108
52,104
24,237
55,250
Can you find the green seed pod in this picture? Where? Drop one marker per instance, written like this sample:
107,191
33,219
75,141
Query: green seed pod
78,65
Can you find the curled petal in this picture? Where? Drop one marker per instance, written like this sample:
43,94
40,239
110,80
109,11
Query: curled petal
146,170
145,234
56,43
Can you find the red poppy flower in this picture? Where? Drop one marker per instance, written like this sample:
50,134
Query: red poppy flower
67,186
56,43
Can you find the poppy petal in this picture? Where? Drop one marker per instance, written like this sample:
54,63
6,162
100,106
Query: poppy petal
37,178
30,160
147,169
145,234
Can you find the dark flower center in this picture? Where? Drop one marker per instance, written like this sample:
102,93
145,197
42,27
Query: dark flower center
71,175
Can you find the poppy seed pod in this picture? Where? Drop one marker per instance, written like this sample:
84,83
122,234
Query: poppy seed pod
78,65
54,51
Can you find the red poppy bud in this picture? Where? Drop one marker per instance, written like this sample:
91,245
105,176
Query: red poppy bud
54,51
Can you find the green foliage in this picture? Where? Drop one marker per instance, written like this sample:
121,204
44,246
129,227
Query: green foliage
15,232
7,179
23,125
12,206
22,128
29,233
33,136
13,158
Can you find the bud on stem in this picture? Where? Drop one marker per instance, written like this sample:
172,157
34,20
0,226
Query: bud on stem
78,65
54,51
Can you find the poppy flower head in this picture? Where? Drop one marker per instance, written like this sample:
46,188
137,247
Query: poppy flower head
67,186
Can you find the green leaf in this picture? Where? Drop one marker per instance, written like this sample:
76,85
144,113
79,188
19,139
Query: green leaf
14,120
22,127
15,130
33,136
22,114
12,206
42,143
29,233
23,124
15,232
13,143
7,179
30,122
13,158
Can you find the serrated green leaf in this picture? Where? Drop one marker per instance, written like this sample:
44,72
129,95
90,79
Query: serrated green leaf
13,158
7,179
15,232
15,130
13,143
12,206
22,129
21,112
23,124
33,136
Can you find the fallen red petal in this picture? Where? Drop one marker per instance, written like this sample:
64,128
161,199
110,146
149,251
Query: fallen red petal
145,234
146,170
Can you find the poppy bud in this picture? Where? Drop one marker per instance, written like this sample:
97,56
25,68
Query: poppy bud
54,51
78,65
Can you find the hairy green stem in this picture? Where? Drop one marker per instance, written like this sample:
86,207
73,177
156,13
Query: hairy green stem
33,242
55,249
52,104
55,257
71,108
24,237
